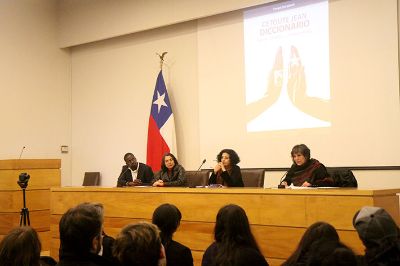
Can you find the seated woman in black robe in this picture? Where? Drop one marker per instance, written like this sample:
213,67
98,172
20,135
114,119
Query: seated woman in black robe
305,171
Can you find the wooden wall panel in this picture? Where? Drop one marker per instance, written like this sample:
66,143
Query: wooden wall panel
30,164
339,210
278,218
43,175
391,203
12,201
40,220
39,178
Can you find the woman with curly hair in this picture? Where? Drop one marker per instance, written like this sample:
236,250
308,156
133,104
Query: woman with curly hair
226,172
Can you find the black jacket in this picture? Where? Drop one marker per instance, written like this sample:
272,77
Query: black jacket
145,174
69,259
232,179
178,254
177,178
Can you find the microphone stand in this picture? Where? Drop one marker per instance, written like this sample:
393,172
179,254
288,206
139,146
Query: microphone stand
201,165
280,181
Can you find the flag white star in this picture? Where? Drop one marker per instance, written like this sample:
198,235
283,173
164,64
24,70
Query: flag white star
160,101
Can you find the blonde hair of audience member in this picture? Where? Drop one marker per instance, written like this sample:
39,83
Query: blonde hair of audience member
139,244
21,246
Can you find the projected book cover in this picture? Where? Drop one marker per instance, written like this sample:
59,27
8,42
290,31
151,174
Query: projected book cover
287,66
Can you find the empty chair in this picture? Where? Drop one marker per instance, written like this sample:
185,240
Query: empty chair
91,179
197,178
253,177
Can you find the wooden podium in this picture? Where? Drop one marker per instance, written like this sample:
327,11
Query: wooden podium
44,173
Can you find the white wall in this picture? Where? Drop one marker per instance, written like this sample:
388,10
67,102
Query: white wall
364,88
113,81
112,88
103,112
35,102
83,21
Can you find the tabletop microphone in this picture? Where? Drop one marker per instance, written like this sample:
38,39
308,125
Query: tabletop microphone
204,161
128,168
22,151
281,180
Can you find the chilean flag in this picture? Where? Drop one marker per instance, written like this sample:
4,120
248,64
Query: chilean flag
161,133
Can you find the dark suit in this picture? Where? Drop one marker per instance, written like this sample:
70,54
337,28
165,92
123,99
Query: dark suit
145,174
70,259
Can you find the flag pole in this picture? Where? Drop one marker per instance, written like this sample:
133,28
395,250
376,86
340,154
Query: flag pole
161,58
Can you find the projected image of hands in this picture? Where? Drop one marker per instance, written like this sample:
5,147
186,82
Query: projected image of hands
287,68
297,89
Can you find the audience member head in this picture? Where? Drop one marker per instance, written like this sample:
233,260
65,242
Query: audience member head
379,234
319,231
300,154
330,253
168,162
228,157
139,244
167,217
21,246
375,227
130,160
232,233
232,226
81,229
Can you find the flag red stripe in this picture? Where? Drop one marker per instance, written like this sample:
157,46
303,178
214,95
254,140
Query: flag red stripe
156,146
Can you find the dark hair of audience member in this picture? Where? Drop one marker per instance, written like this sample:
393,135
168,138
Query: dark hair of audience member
167,217
330,253
163,166
233,156
21,246
79,226
317,231
232,231
138,244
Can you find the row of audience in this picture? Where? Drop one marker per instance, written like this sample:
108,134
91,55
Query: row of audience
305,171
83,242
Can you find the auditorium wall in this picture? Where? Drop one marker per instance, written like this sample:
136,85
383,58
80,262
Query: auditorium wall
112,87
94,95
113,82
35,101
